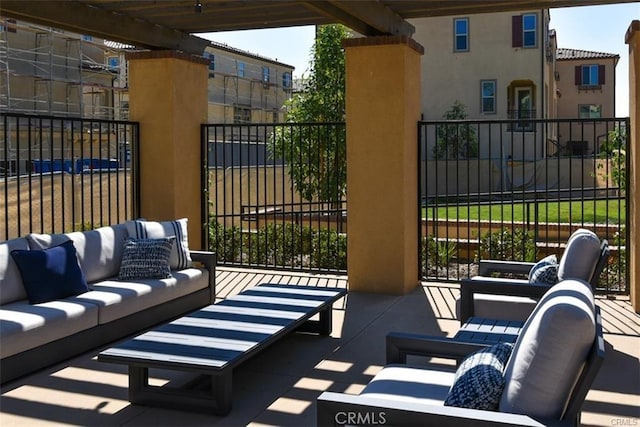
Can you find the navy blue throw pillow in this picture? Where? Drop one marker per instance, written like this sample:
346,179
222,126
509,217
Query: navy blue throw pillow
50,274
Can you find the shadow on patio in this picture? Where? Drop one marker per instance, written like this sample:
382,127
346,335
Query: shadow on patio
280,385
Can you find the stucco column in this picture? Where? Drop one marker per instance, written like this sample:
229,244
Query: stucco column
383,108
168,96
633,150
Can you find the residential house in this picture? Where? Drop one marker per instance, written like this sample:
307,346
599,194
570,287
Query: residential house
586,83
507,66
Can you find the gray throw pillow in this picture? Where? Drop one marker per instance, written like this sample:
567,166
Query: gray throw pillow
146,259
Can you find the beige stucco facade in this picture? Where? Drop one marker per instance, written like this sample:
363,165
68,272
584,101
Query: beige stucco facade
449,75
575,94
382,107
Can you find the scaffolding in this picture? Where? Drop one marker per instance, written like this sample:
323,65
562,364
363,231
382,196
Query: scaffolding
251,89
47,71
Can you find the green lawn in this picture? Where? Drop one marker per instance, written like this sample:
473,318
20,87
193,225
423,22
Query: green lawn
589,211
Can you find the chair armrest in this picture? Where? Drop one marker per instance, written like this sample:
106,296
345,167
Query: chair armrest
336,409
400,345
494,286
208,260
489,266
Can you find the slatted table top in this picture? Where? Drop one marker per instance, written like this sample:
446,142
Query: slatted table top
479,329
224,334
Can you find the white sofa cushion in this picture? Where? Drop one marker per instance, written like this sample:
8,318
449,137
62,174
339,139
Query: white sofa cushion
99,251
118,299
24,326
11,286
550,352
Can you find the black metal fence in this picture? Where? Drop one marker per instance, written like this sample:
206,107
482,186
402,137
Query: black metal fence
276,195
61,174
500,189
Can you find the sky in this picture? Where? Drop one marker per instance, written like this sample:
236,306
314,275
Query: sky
595,28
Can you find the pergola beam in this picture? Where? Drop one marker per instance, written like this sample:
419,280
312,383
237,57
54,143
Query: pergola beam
81,18
367,18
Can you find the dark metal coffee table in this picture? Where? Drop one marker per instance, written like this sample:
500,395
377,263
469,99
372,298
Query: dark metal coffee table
217,338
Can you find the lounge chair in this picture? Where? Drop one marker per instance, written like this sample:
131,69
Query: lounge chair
584,258
544,384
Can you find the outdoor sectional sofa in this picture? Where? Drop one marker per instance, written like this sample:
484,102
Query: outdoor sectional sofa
34,335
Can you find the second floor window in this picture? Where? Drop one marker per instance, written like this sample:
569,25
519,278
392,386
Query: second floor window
461,35
212,60
524,30
265,74
240,69
488,95
286,80
589,75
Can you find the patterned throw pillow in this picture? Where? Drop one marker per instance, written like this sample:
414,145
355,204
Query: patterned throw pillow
546,275
479,380
548,260
180,258
146,259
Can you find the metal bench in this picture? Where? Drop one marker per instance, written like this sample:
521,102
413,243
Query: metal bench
216,339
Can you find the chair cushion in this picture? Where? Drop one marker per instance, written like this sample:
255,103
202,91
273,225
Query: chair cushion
544,262
146,259
479,379
580,257
550,352
411,384
180,258
50,274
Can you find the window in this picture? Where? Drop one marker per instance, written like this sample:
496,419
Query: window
524,30
590,111
87,38
113,62
212,60
240,69
265,74
488,96
286,80
529,30
461,34
241,114
589,75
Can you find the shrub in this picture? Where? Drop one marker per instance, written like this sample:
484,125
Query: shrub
436,253
226,242
504,245
456,140
329,249
279,244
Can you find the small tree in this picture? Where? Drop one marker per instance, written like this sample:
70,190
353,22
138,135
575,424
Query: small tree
456,140
316,155
614,150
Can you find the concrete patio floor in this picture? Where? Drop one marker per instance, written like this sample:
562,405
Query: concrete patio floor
280,385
